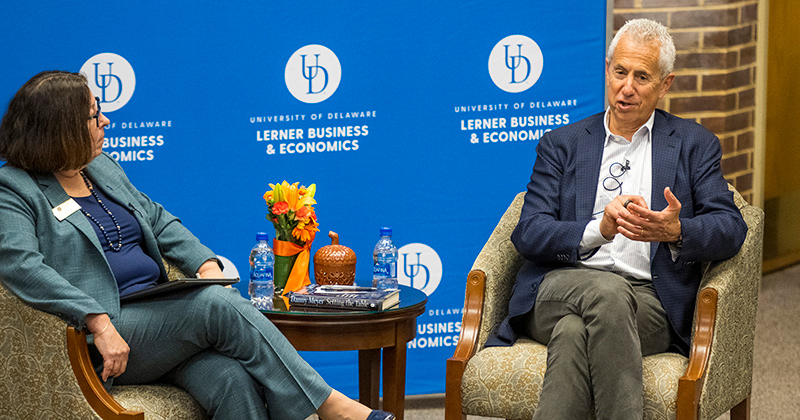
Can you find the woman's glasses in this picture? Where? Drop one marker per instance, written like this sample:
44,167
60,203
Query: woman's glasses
96,115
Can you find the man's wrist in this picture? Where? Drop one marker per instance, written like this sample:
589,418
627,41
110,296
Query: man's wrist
607,232
679,241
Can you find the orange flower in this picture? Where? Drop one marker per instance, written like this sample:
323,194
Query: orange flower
304,231
280,207
303,214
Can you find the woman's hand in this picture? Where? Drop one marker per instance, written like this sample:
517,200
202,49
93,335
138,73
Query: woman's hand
210,270
110,344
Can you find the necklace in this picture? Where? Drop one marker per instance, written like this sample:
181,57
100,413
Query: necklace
118,246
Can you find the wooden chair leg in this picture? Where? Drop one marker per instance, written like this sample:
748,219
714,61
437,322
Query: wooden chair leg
452,400
742,410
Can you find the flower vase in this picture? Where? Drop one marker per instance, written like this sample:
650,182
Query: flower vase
283,267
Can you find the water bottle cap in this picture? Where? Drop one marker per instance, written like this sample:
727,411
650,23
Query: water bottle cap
386,231
262,236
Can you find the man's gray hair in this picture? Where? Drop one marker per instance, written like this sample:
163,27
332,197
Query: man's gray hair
645,30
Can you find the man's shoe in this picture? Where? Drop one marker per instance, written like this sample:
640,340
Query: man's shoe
380,415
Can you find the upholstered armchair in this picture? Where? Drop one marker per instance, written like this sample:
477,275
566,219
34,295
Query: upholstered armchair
505,381
45,373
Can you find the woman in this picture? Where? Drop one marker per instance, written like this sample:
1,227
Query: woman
75,235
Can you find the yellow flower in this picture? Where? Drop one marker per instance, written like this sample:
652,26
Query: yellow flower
277,192
304,201
311,190
290,194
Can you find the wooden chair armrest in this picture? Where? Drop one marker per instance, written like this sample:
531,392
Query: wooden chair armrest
96,395
467,343
690,384
720,373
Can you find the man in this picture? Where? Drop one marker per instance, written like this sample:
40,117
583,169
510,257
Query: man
621,208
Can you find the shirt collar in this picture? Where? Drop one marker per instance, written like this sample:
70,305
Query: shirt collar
647,127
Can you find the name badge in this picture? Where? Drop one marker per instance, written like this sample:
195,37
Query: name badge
63,210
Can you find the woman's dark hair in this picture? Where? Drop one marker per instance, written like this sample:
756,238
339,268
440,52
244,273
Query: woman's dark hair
45,128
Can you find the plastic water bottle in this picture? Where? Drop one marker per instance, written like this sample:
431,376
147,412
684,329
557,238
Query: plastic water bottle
262,262
384,270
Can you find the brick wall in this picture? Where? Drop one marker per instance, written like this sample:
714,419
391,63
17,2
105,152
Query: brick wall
715,70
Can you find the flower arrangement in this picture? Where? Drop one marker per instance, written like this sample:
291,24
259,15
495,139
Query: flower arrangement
290,211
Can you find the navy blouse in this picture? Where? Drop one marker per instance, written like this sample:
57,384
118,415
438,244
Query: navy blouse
133,269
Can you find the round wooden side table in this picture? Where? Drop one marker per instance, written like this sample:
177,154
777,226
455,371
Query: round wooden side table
371,333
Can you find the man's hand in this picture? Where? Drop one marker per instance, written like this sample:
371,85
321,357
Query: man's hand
638,223
110,344
609,226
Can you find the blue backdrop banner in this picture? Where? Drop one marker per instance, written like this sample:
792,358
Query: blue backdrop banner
420,116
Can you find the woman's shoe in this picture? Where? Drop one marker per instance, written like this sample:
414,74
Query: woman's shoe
380,415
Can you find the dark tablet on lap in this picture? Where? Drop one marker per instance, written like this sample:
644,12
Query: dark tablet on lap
162,289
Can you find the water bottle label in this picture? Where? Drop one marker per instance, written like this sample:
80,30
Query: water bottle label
385,270
266,275
381,270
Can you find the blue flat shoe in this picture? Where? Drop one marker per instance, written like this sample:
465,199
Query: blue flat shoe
380,415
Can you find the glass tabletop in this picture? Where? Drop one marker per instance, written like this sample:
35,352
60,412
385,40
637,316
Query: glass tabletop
409,297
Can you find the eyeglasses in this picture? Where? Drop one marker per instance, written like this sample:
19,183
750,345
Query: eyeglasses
612,183
616,170
96,116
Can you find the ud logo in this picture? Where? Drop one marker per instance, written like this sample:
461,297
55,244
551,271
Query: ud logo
111,79
419,266
515,63
313,74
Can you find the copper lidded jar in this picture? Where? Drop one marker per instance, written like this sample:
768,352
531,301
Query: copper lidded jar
334,263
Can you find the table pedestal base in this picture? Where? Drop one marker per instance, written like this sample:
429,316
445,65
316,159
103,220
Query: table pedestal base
371,333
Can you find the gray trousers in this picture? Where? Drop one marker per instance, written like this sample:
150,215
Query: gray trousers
597,326
226,354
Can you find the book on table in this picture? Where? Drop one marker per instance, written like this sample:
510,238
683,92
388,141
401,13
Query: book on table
339,297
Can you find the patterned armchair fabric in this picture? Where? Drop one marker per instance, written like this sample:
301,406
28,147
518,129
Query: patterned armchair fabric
37,380
505,381
158,401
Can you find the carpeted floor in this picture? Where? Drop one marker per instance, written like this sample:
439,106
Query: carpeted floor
776,377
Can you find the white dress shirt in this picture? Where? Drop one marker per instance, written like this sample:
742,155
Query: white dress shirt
621,255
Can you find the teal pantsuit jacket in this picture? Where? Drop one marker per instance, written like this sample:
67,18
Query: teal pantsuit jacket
58,266
209,340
